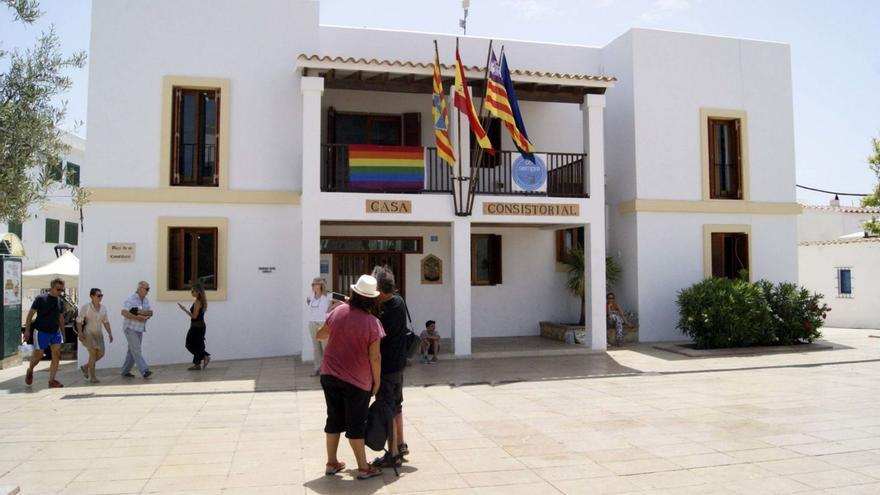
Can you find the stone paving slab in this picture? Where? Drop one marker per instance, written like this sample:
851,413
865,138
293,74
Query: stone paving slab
634,421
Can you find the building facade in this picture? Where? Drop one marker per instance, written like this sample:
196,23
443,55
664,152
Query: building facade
56,221
229,152
837,260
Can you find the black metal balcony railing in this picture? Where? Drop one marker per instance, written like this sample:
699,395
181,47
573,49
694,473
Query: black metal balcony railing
565,173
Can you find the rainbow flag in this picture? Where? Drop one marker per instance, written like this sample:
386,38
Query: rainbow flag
386,168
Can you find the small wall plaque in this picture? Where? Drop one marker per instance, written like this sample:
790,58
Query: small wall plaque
121,252
432,270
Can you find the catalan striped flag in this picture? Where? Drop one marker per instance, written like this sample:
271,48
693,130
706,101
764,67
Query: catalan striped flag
386,168
502,103
441,116
465,105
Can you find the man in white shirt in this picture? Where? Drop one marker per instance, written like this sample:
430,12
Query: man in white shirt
135,313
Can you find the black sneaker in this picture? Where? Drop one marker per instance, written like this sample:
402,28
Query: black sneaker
148,374
128,375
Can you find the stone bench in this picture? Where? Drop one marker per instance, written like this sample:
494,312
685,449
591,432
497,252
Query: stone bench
630,334
570,334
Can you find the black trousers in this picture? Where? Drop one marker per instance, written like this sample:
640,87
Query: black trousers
195,343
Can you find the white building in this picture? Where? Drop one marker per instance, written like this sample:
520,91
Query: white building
222,150
55,221
836,259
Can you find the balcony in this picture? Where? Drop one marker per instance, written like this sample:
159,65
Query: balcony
564,176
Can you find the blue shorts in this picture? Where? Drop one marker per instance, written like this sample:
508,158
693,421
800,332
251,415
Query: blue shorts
42,340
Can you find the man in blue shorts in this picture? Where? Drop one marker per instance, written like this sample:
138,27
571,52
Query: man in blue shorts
49,310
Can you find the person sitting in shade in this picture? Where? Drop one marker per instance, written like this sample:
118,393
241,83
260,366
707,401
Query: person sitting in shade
430,342
617,318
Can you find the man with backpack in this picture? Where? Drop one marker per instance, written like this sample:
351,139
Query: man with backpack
394,347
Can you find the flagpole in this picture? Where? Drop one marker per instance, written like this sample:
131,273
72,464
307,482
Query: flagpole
475,164
457,132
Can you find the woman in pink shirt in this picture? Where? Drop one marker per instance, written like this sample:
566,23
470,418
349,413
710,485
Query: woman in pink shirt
350,373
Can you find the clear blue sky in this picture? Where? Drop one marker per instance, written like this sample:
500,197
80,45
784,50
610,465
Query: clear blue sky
835,59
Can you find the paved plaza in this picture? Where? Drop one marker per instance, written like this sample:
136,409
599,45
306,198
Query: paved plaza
632,421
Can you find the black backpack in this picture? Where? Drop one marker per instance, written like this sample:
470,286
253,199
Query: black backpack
412,339
380,422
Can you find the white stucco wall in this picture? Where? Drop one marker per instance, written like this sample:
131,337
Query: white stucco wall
677,74
671,258
829,224
134,44
259,316
818,272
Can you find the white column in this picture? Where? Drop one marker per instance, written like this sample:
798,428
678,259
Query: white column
312,88
594,233
593,110
594,263
310,234
310,242
461,286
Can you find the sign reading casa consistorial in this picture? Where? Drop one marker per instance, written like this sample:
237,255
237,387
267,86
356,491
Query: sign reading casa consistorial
532,209
389,206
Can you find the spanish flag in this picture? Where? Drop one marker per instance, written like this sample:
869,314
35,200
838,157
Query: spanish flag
441,117
465,105
502,103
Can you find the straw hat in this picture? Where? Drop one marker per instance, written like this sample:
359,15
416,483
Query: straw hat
366,286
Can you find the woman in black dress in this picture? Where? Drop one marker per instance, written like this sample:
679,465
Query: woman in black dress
195,337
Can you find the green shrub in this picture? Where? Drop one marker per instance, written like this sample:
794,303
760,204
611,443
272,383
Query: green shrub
721,312
797,314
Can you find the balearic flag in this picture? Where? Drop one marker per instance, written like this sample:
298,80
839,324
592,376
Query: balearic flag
502,103
441,117
465,105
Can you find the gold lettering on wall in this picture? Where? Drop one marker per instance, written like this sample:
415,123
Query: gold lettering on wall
389,206
532,209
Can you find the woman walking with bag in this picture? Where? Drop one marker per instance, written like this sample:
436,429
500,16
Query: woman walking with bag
92,317
195,337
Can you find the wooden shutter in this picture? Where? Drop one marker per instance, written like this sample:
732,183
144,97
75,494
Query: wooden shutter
331,125
217,137
736,182
176,238
717,255
560,246
175,136
742,253
412,129
495,259
713,180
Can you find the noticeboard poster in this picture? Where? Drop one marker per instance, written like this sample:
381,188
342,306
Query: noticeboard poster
11,283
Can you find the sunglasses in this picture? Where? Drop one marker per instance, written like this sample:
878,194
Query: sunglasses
99,295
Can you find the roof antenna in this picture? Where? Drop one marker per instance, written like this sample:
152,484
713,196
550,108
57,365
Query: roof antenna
462,23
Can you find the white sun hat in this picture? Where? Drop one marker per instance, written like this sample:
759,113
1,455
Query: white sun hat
366,286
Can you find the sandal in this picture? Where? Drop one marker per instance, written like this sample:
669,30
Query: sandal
85,372
94,380
331,469
403,449
370,472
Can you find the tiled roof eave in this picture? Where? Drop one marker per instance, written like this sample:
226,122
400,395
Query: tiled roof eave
424,68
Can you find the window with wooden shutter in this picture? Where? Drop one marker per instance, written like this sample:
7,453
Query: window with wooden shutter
55,171
192,257
367,128
52,230
725,159
195,137
15,228
72,174
71,233
730,255
566,240
486,262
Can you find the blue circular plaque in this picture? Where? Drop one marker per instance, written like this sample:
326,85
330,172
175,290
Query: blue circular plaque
529,175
